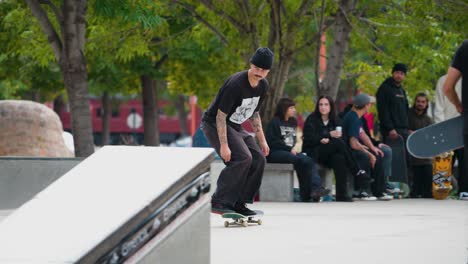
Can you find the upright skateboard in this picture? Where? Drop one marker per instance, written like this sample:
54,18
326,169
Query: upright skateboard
442,176
242,220
436,139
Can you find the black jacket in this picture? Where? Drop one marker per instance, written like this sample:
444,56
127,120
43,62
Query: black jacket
392,106
281,135
314,131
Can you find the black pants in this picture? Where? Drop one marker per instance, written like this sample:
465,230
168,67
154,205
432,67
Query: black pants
240,180
422,181
462,174
337,155
305,167
377,173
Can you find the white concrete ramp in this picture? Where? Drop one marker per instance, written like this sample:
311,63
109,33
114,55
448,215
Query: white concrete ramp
118,203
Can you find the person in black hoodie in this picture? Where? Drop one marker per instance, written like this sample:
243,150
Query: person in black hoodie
322,141
281,137
392,105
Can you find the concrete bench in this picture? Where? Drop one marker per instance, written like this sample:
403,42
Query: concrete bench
278,181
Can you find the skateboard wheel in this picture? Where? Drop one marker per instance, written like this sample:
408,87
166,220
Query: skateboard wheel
259,222
226,223
245,224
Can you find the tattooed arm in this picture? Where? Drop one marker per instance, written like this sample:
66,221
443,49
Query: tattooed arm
222,135
256,122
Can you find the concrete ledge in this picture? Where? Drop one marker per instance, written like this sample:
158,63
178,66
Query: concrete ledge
23,177
277,183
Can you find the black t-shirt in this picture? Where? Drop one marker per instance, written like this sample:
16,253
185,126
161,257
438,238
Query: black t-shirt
352,126
281,134
237,99
460,62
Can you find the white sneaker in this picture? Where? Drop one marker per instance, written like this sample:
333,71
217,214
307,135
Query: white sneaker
364,196
385,197
464,196
394,191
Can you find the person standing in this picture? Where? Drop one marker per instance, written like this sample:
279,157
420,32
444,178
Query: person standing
444,110
239,99
392,105
422,168
281,137
457,70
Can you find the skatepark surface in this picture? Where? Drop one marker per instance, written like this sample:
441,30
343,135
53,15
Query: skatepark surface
401,231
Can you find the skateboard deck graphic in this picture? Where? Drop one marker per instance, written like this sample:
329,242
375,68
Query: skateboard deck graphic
436,139
242,220
442,176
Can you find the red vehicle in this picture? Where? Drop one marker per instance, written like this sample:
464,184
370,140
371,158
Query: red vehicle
126,122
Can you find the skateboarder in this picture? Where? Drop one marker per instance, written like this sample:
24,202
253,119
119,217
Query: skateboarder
422,168
239,99
458,69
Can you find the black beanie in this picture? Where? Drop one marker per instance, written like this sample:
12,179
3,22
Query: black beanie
262,58
399,67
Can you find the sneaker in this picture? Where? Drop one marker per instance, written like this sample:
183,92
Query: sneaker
391,189
464,196
220,208
362,176
240,208
316,194
364,196
394,191
385,197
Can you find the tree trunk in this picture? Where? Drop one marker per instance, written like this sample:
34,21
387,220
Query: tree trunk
105,116
68,48
73,65
179,103
341,31
278,78
150,118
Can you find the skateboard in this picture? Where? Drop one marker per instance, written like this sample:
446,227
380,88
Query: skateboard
399,168
442,176
436,139
242,220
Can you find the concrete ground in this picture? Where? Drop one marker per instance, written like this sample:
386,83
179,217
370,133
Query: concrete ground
400,231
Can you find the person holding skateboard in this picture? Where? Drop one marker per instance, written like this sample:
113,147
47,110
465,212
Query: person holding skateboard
281,137
457,70
239,99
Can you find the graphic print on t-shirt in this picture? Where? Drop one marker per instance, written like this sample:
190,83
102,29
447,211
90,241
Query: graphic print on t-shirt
245,110
288,134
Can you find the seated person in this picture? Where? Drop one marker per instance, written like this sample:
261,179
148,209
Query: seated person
368,156
387,150
281,137
322,141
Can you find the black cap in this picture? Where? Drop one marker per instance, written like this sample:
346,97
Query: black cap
399,67
262,58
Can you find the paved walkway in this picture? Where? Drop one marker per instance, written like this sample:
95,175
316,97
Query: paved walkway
401,231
